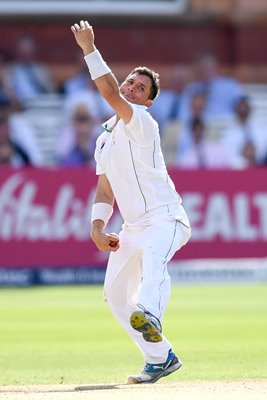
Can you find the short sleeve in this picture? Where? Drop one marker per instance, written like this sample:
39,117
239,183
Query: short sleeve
142,128
98,150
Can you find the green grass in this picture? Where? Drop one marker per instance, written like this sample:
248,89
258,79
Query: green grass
68,335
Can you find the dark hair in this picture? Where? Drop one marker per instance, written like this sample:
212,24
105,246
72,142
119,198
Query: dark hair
196,122
243,98
4,100
154,77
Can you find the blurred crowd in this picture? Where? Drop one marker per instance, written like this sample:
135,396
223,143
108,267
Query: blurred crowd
206,119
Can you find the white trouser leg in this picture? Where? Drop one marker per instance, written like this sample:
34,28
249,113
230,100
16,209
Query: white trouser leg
137,273
121,295
159,243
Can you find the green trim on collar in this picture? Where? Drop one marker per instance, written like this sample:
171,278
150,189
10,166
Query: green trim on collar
105,126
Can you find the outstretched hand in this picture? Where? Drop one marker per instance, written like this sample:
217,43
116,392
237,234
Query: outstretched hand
84,36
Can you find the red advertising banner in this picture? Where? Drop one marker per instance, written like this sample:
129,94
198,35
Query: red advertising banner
45,216
227,212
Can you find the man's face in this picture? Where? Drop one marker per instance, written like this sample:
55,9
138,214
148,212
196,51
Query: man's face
243,109
136,89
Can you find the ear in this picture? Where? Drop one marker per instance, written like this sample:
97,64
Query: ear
149,103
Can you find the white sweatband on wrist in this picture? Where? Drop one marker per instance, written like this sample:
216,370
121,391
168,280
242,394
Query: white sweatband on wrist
102,211
96,65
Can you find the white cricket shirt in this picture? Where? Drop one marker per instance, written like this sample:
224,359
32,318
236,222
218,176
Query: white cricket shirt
131,158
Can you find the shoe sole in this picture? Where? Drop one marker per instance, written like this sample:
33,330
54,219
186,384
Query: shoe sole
134,380
141,323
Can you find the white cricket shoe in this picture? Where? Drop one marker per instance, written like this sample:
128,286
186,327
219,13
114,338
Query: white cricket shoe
153,372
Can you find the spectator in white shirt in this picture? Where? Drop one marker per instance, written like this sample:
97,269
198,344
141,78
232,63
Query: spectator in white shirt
204,152
30,79
20,133
244,131
222,92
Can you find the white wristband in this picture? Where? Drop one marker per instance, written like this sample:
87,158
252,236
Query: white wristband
96,65
102,211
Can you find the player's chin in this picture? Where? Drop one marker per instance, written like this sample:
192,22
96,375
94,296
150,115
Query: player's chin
129,99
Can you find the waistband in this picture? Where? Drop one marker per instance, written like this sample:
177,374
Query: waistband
173,210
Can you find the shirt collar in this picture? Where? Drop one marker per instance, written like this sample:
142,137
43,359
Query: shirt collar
108,125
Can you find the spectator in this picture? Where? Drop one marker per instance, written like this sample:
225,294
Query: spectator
81,79
248,155
179,139
10,153
67,137
19,133
222,92
203,152
5,82
245,136
166,107
29,78
83,133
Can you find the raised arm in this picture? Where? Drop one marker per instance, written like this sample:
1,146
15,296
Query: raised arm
101,212
101,74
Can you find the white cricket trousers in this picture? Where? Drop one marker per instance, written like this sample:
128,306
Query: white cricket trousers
137,275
